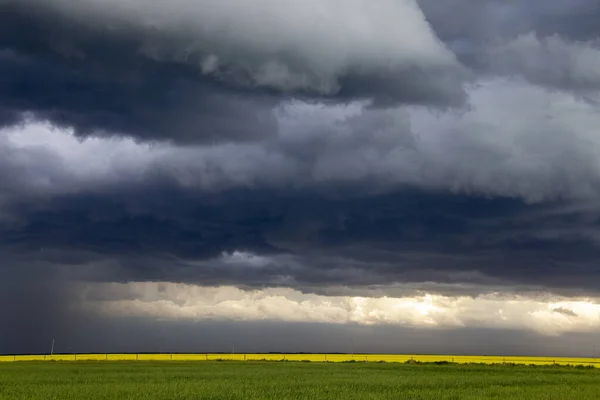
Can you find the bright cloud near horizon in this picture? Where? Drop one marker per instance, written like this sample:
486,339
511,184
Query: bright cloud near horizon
171,301
412,173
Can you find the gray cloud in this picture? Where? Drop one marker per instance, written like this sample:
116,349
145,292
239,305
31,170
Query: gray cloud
113,91
517,140
549,61
207,144
310,243
551,43
467,22
282,45
473,197
103,68
565,311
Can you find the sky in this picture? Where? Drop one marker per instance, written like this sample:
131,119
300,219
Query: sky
392,176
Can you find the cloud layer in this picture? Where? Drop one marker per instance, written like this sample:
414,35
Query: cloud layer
548,316
206,71
423,164
516,140
503,193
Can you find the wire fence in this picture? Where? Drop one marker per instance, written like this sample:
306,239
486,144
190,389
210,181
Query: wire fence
391,358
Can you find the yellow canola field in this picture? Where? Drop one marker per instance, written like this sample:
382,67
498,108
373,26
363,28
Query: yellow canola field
399,358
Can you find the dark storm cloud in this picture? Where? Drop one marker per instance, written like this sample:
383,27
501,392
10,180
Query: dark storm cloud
343,196
380,198
113,76
405,237
106,87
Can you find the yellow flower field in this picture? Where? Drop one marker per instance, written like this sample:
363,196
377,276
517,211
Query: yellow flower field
306,357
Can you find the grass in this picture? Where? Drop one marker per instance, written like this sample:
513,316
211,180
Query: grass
252,380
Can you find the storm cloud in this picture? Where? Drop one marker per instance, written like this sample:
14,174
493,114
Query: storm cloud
205,71
356,166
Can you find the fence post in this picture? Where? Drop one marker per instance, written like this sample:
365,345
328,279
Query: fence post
325,357
206,355
171,356
137,357
244,357
106,358
14,358
44,357
75,357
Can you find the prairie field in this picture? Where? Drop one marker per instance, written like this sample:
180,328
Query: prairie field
390,358
253,380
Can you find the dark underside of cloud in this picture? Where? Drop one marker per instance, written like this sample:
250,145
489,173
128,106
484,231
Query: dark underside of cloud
408,236
107,88
461,155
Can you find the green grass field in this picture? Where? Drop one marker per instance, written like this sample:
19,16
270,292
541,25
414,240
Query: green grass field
250,380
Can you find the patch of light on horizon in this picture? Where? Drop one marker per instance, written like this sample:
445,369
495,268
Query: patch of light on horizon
178,301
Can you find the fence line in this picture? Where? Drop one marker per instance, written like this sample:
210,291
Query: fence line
305,357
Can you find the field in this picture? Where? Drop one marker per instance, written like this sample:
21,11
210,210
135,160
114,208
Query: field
394,358
253,380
